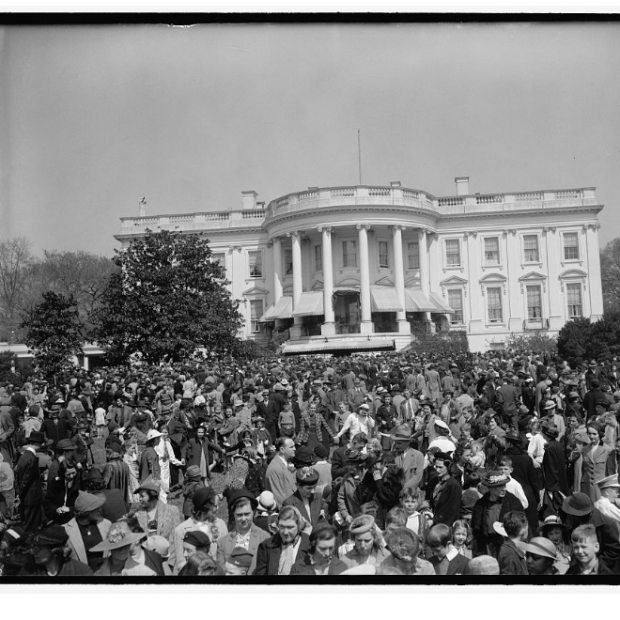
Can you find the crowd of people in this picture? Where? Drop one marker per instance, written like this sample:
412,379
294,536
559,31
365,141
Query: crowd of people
502,463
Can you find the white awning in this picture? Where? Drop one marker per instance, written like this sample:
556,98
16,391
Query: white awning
310,304
442,306
417,301
384,299
280,310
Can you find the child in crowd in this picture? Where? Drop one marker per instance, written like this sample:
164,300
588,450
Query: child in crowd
585,552
418,519
553,529
470,494
477,457
461,538
511,557
514,487
192,483
444,557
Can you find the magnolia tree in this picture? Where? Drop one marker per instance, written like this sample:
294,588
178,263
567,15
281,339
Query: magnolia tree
167,299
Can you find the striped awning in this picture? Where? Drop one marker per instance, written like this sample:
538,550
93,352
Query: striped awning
442,306
417,301
281,310
332,346
310,304
385,299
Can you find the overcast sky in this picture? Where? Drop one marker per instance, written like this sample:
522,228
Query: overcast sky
93,118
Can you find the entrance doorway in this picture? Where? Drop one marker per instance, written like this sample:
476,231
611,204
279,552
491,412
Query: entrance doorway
347,310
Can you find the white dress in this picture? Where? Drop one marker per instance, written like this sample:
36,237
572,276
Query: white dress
166,456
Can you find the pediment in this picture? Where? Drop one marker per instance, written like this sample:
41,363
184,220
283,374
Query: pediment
493,277
453,281
533,275
412,282
317,286
255,290
348,282
573,273
384,281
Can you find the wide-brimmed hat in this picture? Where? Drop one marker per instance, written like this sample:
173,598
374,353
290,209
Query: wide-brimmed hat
610,482
550,404
53,536
498,526
441,424
541,546
303,457
87,502
380,390
552,521
494,478
64,444
577,504
402,432
119,535
150,484
152,434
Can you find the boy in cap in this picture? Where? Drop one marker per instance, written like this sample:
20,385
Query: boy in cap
238,562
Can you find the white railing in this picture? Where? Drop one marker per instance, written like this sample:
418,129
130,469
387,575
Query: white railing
487,199
454,201
527,196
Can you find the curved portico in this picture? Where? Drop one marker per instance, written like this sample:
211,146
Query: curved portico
353,264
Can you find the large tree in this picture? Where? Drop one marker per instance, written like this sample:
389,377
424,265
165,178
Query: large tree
54,333
16,260
167,299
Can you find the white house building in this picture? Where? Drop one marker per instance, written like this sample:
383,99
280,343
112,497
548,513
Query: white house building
366,267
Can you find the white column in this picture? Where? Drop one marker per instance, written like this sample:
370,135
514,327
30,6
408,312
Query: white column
277,269
424,270
366,324
399,278
595,291
297,284
329,325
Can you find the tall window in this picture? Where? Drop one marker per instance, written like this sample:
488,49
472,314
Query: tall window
534,303
318,258
571,246
288,262
349,254
494,304
453,253
413,255
256,264
383,254
573,294
530,248
491,250
455,301
256,311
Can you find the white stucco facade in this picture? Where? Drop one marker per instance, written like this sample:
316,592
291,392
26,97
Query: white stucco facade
362,267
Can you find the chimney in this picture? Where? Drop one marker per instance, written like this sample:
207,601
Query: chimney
462,186
249,200
142,207
394,183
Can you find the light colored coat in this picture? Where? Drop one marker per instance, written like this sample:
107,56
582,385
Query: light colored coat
226,544
279,480
76,544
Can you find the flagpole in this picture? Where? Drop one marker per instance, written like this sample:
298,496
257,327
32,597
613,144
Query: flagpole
359,154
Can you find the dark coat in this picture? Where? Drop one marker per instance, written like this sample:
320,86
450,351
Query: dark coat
511,560
70,568
316,505
554,468
525,474
55,498
28,479
55,432
269,551
456,566
447,507
339,463
478,521
192,450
